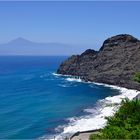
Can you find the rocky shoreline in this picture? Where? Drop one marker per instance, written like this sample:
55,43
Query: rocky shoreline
110,105
115,63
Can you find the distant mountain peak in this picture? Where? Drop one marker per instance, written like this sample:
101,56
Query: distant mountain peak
20,40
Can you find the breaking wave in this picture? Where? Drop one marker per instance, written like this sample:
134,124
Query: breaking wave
96,119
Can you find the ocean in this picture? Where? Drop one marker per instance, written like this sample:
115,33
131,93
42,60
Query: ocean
36,103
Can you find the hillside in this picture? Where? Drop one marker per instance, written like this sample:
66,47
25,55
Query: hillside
116,63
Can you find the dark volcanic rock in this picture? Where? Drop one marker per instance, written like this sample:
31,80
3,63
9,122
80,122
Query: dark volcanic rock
116,62
77,64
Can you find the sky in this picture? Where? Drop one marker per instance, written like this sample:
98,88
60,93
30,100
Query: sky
79,23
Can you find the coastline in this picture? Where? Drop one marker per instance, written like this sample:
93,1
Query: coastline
95,122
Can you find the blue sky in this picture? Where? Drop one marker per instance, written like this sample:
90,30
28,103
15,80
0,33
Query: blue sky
85,23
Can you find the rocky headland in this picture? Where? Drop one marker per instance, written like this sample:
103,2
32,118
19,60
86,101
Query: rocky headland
115,63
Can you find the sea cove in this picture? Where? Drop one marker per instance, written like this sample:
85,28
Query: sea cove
35,103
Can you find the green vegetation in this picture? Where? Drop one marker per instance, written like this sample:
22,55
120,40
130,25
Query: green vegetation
125,124
137,77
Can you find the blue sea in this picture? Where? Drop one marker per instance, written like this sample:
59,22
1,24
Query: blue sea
37,103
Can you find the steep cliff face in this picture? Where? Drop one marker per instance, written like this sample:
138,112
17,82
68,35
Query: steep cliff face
116,62
77,64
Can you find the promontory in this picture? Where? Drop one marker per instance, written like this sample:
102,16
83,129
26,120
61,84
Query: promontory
116,63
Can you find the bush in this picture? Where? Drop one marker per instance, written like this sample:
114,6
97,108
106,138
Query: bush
125,124
137,77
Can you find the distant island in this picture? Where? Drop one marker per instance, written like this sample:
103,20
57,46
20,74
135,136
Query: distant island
116,63
22,46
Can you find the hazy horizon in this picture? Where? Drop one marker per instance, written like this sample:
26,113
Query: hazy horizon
24,47
85,24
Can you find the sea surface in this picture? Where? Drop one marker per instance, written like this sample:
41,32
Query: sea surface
37,103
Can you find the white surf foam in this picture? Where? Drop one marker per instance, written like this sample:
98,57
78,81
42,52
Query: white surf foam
74,79
55,74
108,108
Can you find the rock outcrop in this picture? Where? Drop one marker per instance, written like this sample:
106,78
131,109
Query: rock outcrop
115,63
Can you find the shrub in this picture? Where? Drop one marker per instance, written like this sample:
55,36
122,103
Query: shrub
137,77
124,124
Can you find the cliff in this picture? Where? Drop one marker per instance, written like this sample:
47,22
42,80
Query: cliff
115,63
